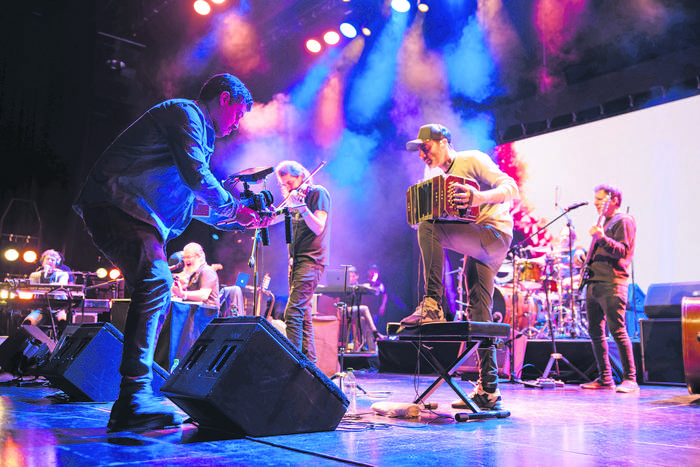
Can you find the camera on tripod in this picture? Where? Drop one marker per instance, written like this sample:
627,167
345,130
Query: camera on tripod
260,202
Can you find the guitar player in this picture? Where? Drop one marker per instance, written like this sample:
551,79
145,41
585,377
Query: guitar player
606,274
485,241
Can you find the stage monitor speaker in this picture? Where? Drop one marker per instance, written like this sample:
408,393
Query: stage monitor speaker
117,312
85,363
244,378
22,352
664,300
662,351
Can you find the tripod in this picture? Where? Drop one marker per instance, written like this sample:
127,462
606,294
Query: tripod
544,381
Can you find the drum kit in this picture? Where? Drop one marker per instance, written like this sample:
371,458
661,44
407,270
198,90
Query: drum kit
544,286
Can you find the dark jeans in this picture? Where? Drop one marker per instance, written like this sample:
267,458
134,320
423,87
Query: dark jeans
487,249
606,302
138,250
303,278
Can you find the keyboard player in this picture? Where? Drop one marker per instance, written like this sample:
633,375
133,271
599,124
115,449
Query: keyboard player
51,273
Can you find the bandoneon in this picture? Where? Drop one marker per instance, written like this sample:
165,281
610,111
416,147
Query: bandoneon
429,200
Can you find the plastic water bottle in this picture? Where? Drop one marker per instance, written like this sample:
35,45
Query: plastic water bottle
350,385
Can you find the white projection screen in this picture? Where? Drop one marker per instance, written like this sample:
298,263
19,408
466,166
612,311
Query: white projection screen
653,156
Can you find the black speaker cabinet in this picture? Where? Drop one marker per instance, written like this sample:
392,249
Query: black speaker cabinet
662,351
21,352
243,377
85,363
664,300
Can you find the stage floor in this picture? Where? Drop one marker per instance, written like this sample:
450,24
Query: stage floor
562,426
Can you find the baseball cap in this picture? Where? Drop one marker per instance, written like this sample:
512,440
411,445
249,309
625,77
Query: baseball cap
432,131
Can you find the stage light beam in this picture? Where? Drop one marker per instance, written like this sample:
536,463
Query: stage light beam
202,7
313,46
400,6
331,38
29,256
11,254
348,30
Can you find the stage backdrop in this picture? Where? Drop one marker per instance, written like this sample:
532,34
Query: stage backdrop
653,156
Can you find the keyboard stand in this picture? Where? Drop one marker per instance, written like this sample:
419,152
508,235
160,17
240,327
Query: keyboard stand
470,333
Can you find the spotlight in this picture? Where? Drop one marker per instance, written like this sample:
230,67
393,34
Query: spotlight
29,256
401,6
101,273
313,46
348,30
11,254
202,7
422,7
331,38
366,31
218,2
114,273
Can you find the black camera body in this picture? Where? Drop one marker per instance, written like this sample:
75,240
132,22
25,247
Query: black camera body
258,202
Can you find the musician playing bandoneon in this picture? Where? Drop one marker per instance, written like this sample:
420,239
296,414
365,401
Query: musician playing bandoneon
485,241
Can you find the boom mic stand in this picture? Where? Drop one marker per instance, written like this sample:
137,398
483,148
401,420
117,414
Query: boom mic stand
544,381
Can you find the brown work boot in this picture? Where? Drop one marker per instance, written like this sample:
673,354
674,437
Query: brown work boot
428,311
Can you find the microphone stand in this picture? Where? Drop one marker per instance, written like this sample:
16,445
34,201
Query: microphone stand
544,381
340,376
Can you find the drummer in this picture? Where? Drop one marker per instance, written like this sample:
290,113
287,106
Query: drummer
561,252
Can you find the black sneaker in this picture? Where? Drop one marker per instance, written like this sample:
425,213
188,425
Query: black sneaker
484,400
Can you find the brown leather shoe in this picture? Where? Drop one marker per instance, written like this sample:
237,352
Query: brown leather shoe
597,384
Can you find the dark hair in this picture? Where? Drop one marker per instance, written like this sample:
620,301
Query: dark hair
614,193
226,82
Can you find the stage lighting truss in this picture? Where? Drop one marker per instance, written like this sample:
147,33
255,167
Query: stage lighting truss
20,248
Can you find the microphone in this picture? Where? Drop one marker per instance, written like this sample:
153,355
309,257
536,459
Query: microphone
176,266
576,205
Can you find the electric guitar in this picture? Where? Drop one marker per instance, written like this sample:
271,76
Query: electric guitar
586,267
